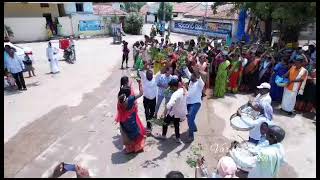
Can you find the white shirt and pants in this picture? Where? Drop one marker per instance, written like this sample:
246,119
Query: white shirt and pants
176,110
149,96
193,102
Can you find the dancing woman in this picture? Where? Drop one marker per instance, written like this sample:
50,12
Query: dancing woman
131,128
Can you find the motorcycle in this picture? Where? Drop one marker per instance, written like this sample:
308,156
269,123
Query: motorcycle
69,54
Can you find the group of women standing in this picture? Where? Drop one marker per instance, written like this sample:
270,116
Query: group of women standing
244,71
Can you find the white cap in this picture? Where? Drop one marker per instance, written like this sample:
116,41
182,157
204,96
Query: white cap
264,85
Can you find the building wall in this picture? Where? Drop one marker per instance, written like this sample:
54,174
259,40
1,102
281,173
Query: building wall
21,31
309,33
70,8
150,18
233,22
29,10
66,29
180,15
82,17
196,32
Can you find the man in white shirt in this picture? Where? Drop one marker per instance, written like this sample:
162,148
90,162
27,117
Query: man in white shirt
268,160
255,133
149,86
195,88
175,109
15,66
262,101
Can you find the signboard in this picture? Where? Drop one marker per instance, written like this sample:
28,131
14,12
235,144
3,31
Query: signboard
214,29
92,25
220,27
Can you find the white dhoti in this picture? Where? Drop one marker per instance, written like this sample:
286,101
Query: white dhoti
290,96
51,54
288,100
54,65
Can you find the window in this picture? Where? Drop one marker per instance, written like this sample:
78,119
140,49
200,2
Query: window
43,5
175,15
79,7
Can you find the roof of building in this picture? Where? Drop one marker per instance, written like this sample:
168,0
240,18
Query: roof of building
223,12
107,10
144,9
184,7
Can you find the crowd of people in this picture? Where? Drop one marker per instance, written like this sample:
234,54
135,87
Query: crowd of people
180,73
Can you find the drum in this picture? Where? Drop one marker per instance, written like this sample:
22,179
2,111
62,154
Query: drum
246,109
238,124
242,151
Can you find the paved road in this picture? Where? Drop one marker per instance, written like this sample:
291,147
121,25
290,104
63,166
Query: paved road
69,117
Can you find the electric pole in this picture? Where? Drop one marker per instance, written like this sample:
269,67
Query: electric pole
163,19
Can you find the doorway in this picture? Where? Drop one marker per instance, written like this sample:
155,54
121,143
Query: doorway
49,22
48,17
155,18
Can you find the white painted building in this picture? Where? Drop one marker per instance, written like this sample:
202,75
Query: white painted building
29,20
150,12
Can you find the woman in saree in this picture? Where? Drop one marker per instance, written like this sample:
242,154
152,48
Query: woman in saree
280,69
307,101
131,128
265,70
251,72
235,74
221,79
297,79
245,80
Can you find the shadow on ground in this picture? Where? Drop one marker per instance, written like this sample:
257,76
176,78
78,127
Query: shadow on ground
9,92
121,157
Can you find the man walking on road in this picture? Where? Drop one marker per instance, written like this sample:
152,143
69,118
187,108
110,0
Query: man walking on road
15,66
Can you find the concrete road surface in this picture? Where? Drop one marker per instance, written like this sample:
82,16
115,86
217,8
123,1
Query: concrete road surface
70,117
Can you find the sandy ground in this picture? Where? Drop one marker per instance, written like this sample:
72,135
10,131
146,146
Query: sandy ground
70,117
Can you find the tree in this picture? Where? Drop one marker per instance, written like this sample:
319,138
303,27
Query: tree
168,11
133,6
289,17
133,24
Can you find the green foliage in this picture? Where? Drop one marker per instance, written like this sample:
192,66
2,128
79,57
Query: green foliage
133,6
168,11
158,122
182,61
290,17
159,57
115,19
133,24
196,153
153,52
